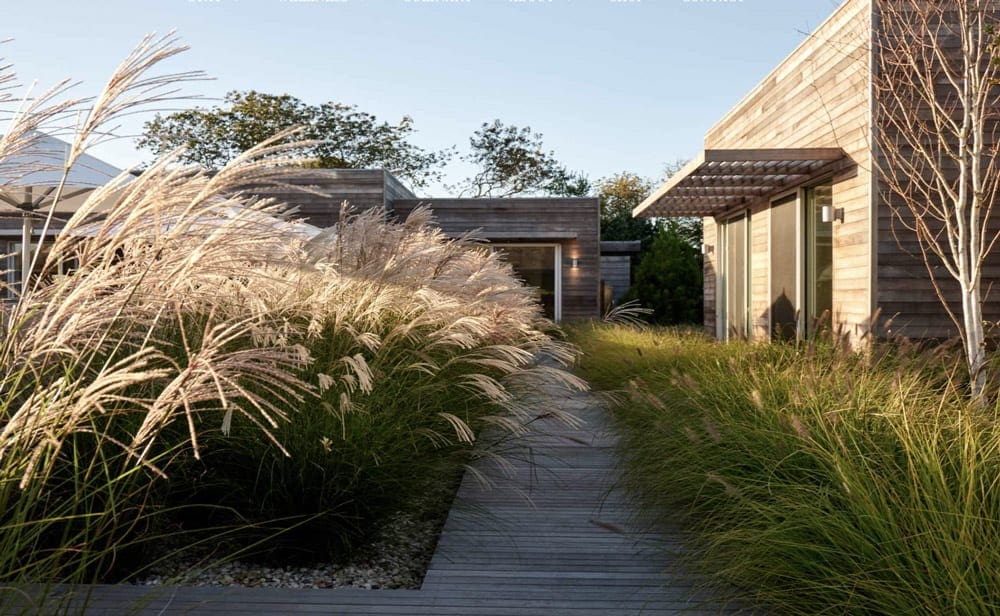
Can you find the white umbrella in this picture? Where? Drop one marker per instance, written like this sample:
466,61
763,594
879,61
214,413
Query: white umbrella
29,180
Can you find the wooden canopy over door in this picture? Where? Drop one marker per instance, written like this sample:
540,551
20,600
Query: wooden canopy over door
719,181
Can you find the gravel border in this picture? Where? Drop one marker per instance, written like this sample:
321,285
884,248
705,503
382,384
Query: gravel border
398,557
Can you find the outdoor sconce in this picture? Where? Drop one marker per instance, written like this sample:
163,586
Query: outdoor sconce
574,262
707,249
831,213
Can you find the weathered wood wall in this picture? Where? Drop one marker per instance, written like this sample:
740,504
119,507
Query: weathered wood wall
363,189
572,223
909,305
394,189
616,270
817,97
710,233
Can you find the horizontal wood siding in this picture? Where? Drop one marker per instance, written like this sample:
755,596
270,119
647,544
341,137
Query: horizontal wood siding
710,233
819,97
905,295
362,189
395,189
616,270
528,220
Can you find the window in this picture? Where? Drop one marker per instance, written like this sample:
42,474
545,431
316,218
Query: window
784,300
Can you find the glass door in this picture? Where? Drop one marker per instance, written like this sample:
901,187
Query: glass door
784,306
736,264
819,258
538,266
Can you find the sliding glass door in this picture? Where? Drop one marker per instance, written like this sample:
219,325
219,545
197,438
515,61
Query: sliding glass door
784,306
539,267
735,268
819,258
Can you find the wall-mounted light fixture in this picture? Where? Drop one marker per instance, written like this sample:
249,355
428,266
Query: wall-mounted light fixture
707,249
830,214
574,262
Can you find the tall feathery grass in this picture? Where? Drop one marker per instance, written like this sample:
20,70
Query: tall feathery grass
813,480
211,363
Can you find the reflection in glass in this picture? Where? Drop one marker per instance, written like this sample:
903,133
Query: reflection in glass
536,266
819,257
784,307
737,265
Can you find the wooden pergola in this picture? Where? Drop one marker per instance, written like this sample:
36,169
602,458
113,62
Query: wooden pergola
717,181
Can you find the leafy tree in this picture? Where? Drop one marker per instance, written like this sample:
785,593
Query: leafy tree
668,278
570,185
668,274
511,161
347,137
619,194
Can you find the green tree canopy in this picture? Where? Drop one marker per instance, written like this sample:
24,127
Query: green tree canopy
619,194
511,161
347,137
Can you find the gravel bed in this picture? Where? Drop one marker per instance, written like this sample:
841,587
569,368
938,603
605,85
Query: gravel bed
397,558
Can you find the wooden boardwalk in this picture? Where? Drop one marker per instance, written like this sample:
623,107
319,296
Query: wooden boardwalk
557,538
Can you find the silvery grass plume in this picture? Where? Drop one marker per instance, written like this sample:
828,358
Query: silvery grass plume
144,325
191,297
137,329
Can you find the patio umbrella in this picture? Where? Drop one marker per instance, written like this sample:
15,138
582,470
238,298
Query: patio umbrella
29,180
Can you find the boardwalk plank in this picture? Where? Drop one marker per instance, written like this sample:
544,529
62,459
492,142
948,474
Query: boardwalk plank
571,548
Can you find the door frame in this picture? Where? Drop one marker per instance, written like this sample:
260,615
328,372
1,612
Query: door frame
722,329
557,270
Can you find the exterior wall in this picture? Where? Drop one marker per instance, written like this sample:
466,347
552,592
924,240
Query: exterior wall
904,293
394,189
710,232
362,189
535,220
616,270
818,97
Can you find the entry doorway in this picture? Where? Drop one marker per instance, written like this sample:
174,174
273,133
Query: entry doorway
801,268
734,278
540,267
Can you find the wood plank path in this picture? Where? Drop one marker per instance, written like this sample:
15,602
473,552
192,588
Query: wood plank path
556,538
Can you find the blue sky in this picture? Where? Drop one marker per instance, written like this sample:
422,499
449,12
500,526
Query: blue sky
612,84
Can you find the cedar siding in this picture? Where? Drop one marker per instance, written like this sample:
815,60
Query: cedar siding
710,232
362,189
818,97
909,305
573,223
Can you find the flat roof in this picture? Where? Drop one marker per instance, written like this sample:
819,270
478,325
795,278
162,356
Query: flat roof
720,180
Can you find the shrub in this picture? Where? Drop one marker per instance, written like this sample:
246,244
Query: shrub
668,278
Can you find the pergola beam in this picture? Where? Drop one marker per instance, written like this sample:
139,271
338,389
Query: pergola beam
717,180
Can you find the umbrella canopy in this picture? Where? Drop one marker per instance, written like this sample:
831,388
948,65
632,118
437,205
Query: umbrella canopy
29,179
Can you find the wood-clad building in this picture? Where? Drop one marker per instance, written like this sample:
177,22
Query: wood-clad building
618,259
553,243
796,225
362,189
